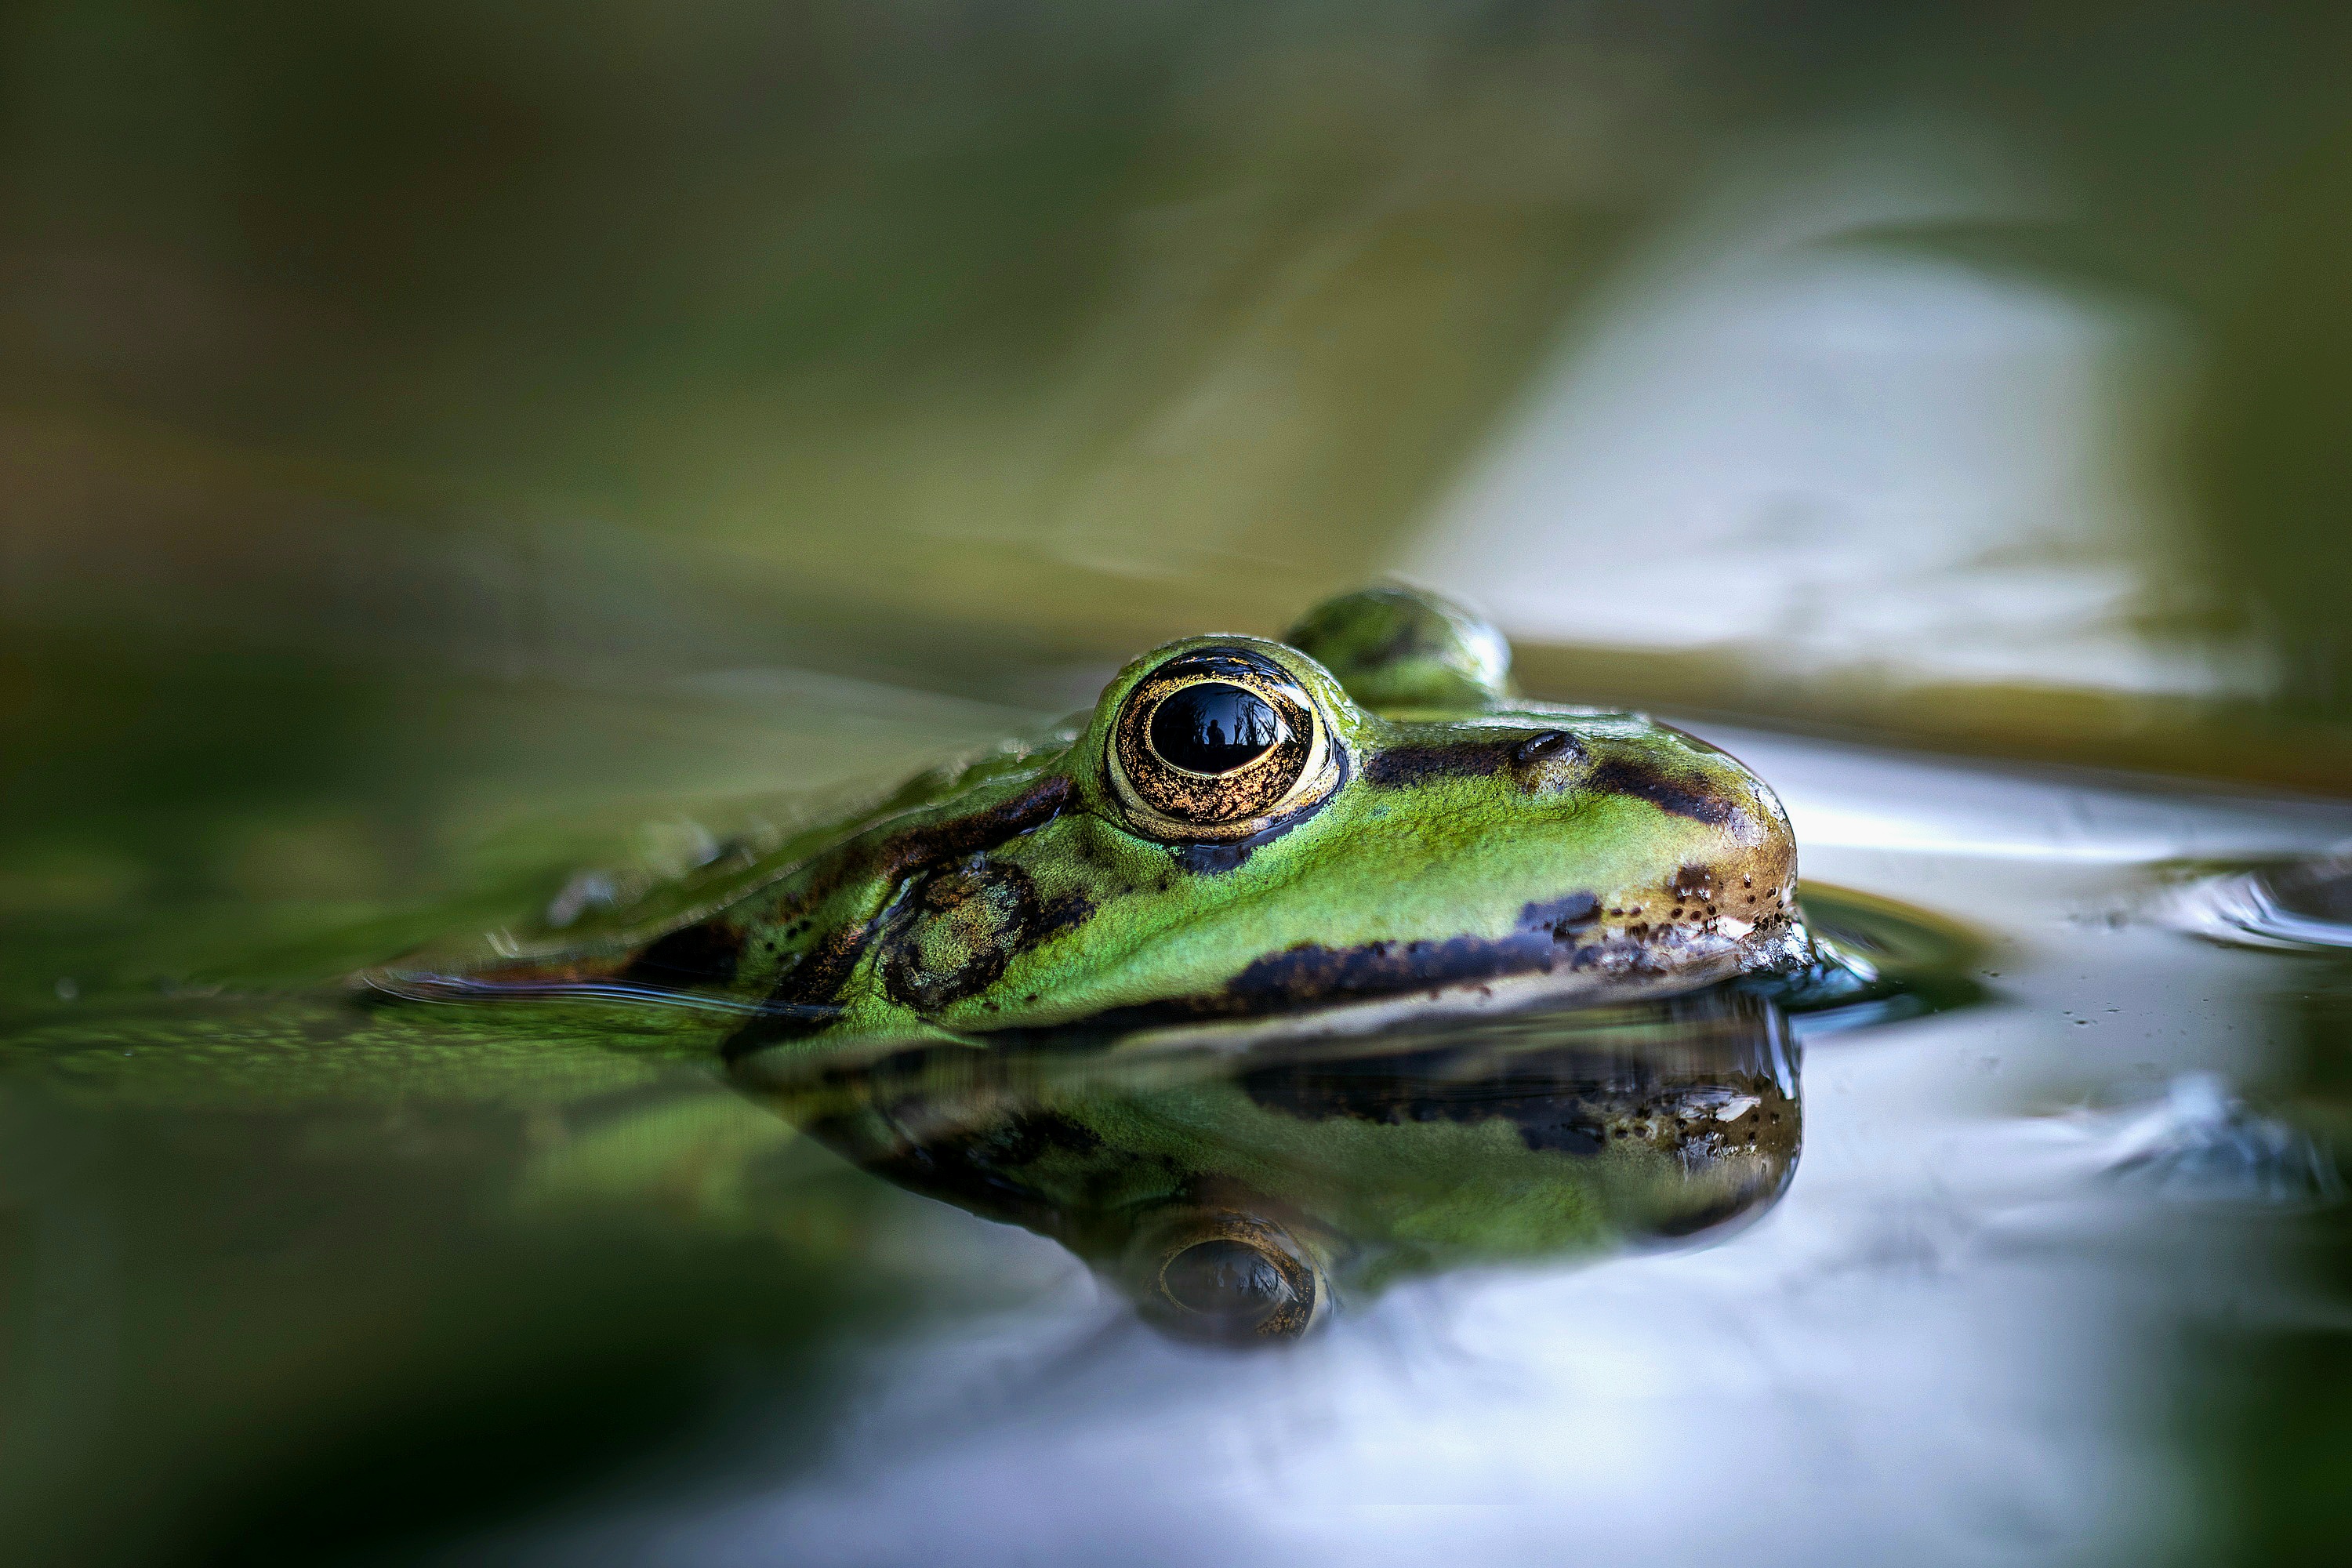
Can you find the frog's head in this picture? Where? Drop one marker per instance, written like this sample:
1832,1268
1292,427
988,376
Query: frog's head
1238,830
1363,818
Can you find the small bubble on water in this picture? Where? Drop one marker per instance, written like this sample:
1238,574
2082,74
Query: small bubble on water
66,988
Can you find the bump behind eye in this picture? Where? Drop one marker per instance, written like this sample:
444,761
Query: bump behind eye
1215,744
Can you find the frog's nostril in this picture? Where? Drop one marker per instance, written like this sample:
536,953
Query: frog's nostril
1227,1279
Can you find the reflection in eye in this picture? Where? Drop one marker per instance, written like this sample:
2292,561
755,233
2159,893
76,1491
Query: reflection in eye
1213,728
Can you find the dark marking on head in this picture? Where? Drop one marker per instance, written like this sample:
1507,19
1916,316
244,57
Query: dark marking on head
704,953
951,934
1213,859
818,976
1693,883
1400,766
1065,913
1561,916
1683,796
1311,972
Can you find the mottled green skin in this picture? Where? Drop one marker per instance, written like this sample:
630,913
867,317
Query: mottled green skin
1492,853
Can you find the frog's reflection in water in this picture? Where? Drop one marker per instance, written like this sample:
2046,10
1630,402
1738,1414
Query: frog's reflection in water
1238,1187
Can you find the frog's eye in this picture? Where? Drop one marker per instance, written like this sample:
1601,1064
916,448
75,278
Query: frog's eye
1217,744
1233,1277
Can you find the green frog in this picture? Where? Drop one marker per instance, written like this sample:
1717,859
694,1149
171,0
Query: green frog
1359,824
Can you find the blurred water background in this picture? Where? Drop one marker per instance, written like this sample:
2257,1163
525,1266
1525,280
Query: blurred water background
445,445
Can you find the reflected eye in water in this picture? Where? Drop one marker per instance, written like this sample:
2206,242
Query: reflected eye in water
1217,744
1223,1278
1230,1277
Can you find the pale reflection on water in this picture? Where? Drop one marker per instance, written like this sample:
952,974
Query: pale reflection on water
1800,430
1957,1338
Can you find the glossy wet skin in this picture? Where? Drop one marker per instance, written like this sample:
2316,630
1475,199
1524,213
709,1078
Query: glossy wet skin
1399,832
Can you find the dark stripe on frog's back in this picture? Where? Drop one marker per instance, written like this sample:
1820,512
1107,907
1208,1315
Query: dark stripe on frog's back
1682,794
824,968
1413,763
1688,793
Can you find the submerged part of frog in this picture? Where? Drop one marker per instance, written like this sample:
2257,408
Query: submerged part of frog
1239,1194
1364,817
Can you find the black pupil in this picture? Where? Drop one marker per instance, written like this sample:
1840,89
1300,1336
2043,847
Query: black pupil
1224,1279
1213,728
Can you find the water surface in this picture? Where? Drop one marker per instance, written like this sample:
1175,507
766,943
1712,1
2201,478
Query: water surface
315,1276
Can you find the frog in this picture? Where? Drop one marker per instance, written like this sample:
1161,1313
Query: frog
1360,822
